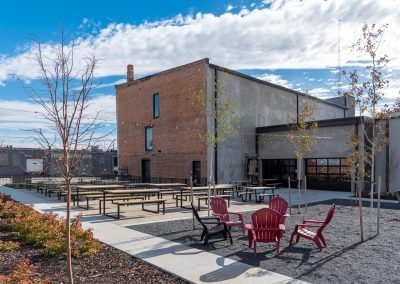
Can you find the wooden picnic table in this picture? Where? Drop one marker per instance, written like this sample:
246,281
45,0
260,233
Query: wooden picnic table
255,189
95,187
145,192
221,187
159,185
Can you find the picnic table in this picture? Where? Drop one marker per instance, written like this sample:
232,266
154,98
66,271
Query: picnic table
146,192
256,190
96,187
221,187
163,185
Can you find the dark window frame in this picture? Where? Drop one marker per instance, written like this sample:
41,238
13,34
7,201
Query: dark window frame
145,138
156,115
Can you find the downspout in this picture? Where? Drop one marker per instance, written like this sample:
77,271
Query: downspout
216,125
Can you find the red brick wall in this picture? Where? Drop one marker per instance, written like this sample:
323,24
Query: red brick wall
176,141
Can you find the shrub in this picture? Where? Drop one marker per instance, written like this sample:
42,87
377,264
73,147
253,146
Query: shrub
47,230
23,273
9,246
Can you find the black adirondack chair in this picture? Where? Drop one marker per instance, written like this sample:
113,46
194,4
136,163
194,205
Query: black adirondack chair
212,226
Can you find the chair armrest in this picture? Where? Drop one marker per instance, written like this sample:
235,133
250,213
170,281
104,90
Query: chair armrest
213,223
236,213
313,221
286,215
307,225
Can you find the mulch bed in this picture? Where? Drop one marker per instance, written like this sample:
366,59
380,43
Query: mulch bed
346,260
108,266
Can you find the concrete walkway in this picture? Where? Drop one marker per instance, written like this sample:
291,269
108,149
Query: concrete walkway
188,263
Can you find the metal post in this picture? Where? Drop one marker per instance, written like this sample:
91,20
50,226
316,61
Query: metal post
372,205
305,191
290,196
379,204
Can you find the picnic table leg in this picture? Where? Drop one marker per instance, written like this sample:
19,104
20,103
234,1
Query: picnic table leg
181,198
163,207
77,197
104,203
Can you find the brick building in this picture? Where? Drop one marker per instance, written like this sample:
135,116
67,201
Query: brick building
159,124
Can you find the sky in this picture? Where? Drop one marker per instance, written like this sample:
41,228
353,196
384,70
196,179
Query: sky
290,43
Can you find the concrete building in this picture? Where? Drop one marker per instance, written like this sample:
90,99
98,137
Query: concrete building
159,124
21,161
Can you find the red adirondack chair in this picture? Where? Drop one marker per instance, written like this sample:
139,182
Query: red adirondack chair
220,210
301,230
265,228
280,205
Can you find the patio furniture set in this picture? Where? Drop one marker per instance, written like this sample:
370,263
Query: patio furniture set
268,224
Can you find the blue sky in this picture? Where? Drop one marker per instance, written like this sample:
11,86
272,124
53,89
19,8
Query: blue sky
291,43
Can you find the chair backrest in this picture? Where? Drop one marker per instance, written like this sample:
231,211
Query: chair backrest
329,217
219,207
264,219
196,215
279,204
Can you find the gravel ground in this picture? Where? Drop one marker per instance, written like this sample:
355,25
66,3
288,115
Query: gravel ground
346,260
108,266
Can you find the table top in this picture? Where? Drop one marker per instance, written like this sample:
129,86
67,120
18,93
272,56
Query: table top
149,190
166,184
217,186
101,186
259,187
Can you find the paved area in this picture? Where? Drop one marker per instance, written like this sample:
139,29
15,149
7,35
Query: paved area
191,264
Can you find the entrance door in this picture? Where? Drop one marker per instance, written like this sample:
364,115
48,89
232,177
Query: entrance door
196,169
145,170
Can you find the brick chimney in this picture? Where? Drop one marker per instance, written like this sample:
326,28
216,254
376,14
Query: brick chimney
129,73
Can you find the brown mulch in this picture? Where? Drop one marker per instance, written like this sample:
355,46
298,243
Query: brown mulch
107,266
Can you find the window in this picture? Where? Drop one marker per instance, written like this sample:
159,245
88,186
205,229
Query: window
156,105
149,138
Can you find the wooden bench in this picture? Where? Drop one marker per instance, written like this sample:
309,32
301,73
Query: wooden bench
186,195
139,202
116,198
205,198
173,192
262,195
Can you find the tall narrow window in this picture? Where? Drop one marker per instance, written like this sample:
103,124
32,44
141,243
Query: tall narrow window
156,105
149,138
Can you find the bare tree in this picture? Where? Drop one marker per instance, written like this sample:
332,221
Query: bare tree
302,134
368,95
64,99
224,122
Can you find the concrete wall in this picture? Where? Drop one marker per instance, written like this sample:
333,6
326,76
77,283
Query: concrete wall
331,143
394,134
259,105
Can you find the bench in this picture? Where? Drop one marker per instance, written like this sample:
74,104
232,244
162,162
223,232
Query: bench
186,195
116,198
205,198
243,195
139,202
262,195
173,192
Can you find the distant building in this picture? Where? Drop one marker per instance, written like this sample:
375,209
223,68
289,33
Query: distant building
21,161
30,161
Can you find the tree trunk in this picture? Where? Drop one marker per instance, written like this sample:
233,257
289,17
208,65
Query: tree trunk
68,223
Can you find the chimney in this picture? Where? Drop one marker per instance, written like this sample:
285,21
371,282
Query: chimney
129,73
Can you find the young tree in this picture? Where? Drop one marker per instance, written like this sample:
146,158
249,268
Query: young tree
222,113
64,98
302,134
369,95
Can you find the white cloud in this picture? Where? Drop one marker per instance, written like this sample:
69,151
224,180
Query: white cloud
274,79
285,34
318,92
229,7
120,81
